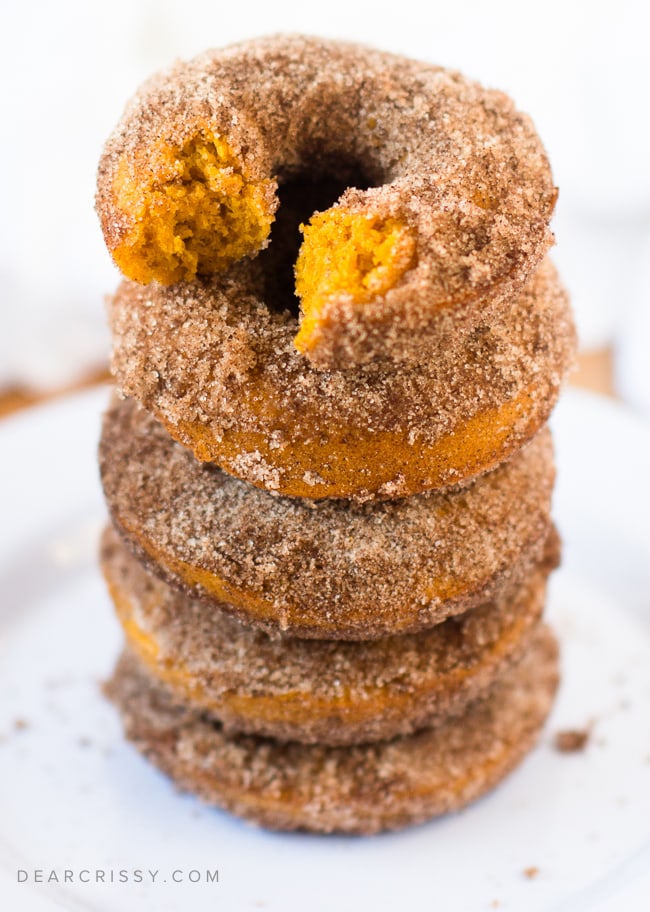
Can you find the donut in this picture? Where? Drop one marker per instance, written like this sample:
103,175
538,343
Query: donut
360,789
221,372
318,691
434,193
322,569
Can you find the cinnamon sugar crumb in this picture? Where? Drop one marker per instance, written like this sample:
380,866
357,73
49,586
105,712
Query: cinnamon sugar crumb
571,741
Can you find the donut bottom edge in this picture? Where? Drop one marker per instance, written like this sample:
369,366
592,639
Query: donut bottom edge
364,789
363,467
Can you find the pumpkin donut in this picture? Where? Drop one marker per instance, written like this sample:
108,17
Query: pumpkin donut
322,569
439,213
361,789
319,691
221,372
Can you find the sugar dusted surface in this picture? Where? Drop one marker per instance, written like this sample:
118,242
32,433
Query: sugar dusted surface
212,356
361,789
327,568
324,691
457,162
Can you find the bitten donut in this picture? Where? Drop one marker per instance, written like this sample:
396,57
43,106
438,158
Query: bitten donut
323,569
440,192
360,789
221,372
319,691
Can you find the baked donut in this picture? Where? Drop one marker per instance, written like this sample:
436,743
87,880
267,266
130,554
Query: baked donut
440,210
360,789
323,569
221,372
319,691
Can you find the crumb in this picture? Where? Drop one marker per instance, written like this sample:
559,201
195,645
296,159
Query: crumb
531,872
571,740
495,904
84,742
21,724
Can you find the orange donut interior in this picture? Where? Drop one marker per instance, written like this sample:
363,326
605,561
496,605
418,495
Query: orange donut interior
192,209
351,254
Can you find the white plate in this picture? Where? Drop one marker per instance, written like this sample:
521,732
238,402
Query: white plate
74,796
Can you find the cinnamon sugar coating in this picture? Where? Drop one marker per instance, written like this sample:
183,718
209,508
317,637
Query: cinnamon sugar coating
323,569
362,789
319,691
456,165
220,370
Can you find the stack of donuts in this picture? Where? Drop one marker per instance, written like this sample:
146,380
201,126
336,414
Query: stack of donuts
327,466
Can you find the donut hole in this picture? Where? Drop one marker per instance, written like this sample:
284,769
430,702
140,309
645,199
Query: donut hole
194,211
300,196
321,252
